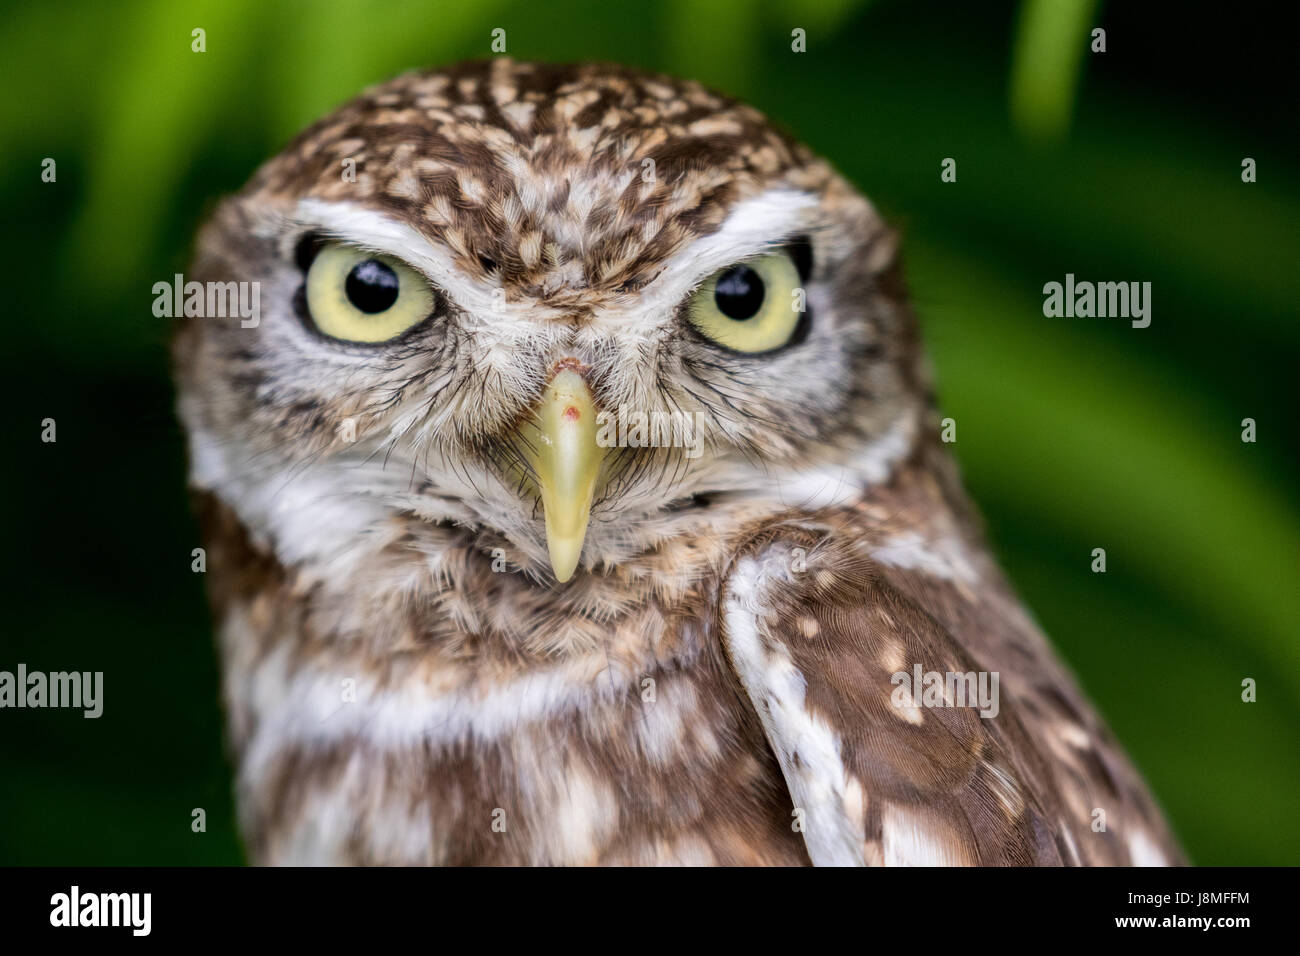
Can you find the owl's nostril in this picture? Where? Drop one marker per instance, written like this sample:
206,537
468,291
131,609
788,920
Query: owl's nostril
570,364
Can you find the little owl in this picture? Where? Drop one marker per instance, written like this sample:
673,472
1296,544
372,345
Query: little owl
479,604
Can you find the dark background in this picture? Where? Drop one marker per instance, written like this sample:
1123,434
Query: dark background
1073,433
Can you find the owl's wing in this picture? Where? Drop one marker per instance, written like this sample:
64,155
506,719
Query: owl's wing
827,650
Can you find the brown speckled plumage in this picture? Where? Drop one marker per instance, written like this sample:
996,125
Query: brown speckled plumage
482,157
406,682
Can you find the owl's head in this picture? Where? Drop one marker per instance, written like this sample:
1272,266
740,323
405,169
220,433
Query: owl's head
569,311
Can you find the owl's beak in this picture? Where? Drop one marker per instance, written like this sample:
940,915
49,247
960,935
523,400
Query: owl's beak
567,461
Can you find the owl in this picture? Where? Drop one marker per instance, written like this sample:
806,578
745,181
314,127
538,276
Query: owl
576,496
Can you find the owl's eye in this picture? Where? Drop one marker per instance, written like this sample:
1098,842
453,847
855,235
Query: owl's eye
751,306
356,296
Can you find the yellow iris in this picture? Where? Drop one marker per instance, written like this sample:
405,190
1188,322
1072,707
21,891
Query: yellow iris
357,296
750,307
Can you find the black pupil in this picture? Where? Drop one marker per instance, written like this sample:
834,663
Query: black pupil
739,293
372,286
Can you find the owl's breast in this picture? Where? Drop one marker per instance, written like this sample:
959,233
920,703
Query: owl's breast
569,763
468,719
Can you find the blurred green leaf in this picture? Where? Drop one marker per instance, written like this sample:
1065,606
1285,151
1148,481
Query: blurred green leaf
1050,43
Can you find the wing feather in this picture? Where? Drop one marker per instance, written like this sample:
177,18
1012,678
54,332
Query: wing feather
878,777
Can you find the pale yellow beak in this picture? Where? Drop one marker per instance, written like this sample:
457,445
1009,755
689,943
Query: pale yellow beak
566,460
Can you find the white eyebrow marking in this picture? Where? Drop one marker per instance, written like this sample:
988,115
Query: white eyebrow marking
752,227
377,232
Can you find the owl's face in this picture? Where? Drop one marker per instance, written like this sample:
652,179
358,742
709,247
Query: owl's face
476,284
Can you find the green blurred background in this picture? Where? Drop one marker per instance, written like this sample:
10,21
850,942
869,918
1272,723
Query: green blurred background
1073,433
